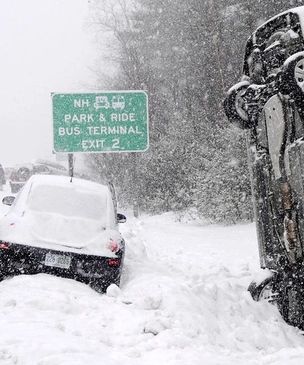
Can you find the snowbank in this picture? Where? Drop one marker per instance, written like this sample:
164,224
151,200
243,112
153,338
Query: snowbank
183,300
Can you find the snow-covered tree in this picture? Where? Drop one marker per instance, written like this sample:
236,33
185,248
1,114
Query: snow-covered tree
186,54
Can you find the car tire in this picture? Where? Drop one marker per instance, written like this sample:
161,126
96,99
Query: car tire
288,297
291,80
234,106
261,290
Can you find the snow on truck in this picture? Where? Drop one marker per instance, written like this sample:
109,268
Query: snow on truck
268,103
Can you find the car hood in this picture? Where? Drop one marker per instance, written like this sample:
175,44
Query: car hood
59,232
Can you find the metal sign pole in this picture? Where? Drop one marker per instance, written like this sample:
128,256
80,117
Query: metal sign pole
71,164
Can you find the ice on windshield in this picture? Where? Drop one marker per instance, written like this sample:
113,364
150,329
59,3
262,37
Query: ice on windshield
68,201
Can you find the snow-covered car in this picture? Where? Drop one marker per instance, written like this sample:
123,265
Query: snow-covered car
22,172
268,103
19,176
53,168
63,227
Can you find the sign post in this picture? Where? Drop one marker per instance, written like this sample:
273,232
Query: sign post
114,121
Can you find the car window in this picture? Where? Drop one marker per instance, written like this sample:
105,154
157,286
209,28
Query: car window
76,202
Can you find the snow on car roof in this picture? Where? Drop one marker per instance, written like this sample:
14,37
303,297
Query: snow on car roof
66,180
47,181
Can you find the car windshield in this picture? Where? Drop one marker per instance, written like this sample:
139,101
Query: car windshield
68,201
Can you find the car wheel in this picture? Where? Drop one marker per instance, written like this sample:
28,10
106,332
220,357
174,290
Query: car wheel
288,297
235,105
292,75
262,290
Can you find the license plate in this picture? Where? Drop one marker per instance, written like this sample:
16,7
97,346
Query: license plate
57,261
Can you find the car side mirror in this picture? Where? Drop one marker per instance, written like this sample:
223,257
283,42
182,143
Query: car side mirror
8,200
121,218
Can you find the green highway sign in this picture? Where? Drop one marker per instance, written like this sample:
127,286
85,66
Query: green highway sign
110,121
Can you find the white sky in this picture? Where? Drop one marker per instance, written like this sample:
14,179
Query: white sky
44,48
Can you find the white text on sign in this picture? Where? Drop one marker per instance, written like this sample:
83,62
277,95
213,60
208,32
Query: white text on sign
94,131
89,118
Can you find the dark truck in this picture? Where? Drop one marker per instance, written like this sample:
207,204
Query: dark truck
268,103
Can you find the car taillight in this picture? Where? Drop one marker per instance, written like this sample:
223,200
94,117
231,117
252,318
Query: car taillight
3,245
113,245
114,262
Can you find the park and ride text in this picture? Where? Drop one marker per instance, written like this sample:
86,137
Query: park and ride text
99,130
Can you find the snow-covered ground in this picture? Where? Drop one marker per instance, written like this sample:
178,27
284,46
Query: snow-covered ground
182,301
